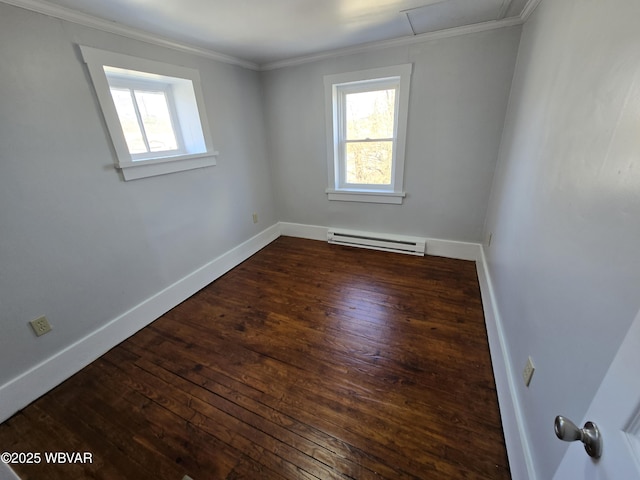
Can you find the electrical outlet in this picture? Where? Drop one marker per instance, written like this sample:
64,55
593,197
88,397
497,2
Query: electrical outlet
255,218
528,372
40,325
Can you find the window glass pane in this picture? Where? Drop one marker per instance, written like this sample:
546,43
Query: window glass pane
370,114
369,162
154,112
127,115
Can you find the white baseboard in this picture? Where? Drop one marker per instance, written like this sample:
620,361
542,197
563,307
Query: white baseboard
517,442
435,246
7,473
453,249
41,378
299,230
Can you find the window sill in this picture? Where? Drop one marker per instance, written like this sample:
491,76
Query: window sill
162,166
366,196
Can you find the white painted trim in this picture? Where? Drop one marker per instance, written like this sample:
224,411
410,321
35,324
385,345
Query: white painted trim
517,443
435,246
91,21
392,198
41,378
503,10
151,168
453,249
396,42
7,473
528,9
299,230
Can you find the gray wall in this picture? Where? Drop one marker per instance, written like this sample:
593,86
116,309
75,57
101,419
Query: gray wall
76,242
459,93
565,209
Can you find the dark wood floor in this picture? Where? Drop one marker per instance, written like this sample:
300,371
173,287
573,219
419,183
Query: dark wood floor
308,361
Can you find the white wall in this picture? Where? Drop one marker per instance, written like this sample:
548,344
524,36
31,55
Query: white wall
77,243
458,100
565,208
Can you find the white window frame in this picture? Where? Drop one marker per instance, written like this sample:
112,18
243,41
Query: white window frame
135,84
186,105
337,86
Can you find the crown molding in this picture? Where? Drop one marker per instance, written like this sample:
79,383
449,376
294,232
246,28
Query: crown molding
86,20
503,10
396,42
70,15
528,9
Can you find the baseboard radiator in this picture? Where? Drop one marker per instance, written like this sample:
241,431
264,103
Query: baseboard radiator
378,241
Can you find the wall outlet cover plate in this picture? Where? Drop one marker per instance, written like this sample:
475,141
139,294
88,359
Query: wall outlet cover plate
40,326
528,371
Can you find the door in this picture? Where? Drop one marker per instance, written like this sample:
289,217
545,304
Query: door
616,411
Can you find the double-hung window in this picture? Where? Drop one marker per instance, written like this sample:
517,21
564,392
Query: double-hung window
366,131
154,112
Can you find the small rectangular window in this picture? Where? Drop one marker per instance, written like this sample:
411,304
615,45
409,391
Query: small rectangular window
146,111
369,136
366,129
154,112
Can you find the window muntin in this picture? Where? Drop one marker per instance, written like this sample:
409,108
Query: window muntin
129,120
366,130
156,120
146,111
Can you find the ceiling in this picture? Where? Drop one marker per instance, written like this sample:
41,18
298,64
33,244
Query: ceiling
266,31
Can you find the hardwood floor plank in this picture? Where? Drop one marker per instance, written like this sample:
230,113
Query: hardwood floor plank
178,392
267,406
365,387
327,407
306,361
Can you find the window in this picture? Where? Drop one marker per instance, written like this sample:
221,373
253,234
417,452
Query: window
145,111
366,130
154,113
